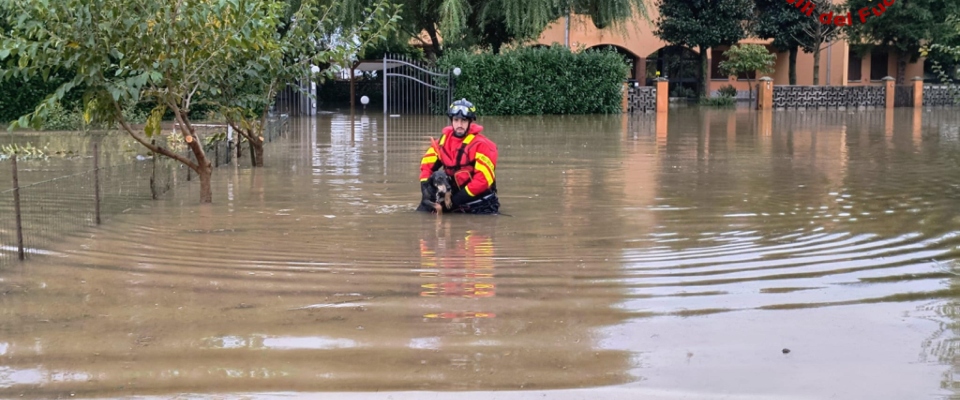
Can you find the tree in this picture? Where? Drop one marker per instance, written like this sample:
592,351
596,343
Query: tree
703,24
945,57
128,51
302,40
748,58
904,26
493,23
812,34
782,22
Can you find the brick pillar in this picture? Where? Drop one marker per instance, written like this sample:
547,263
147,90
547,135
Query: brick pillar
640,71
663,94
917,92
889,88
765,94
625,102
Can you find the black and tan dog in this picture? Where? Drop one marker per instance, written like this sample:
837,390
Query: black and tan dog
440,192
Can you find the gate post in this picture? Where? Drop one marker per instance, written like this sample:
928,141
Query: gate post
385,85
917,92
889,88
663,94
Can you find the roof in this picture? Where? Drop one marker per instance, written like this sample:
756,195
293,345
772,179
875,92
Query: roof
375,65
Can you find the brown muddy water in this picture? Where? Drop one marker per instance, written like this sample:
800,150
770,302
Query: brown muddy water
707,254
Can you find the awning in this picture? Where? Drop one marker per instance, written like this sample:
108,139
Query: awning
376,65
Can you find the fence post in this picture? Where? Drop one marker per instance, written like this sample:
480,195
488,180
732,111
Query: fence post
16,208
765,94
216,155
625,98
889,90
663,94
96,182
917,92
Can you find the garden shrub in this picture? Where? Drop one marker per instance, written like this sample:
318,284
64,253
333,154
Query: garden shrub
540,80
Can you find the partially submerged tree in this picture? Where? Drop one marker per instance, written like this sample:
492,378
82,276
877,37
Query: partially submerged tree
747,58
703,24
782,22
904,26
813,35
125,51
309,36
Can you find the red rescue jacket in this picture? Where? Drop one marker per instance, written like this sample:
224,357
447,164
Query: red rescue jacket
471,160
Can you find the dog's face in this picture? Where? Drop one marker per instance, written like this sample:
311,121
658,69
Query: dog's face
440,181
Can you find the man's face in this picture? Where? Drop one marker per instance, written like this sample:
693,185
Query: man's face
460,125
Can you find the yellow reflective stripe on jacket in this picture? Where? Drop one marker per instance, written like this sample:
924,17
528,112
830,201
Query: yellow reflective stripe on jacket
428,160
485,166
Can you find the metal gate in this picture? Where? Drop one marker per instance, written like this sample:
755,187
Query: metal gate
412,88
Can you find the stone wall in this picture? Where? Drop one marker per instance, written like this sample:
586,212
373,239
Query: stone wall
642,99
940,95
836,97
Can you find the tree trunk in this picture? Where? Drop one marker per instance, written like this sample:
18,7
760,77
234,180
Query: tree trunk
206,192
750,88
816,66
901,68
793,64
434,42
256,147
204,170
703,72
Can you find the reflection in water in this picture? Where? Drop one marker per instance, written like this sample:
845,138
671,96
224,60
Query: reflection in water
677,252
457,267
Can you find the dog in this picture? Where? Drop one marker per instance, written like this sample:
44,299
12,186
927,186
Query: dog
441,192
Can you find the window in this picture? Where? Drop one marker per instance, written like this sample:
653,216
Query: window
716,56
854,67
878,66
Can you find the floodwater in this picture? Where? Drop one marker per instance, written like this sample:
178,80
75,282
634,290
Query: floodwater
699,254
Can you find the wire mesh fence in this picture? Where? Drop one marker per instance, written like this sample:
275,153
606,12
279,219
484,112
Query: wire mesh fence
35,216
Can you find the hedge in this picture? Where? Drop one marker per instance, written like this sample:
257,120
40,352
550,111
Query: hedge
22,97
541,80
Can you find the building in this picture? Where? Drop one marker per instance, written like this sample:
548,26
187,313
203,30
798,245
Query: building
839,65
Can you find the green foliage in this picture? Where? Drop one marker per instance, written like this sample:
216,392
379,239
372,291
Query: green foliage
727,91
722,101
491,24
703,24
22,96
746,58
540,81
780,21
63,119
904,26
286,50
945,61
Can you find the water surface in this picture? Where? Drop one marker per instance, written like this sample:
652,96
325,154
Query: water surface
670,257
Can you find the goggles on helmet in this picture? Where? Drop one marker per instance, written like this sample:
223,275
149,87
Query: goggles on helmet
461,110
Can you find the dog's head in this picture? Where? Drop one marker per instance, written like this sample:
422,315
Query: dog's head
441,182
